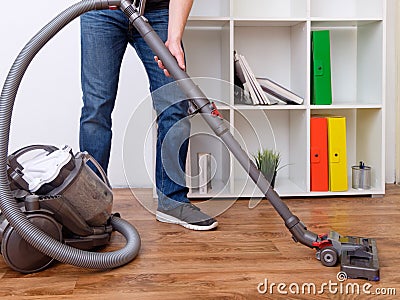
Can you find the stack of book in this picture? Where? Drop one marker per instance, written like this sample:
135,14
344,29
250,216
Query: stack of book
261,91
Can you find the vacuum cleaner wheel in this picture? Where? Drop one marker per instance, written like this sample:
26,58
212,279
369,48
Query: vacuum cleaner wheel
20,255
329,256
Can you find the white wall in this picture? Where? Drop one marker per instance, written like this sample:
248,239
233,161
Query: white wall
397,132
48,103
391,96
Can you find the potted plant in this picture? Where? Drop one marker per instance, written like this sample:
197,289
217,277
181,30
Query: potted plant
267,161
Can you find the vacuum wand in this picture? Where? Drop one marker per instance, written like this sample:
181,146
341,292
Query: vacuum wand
214,120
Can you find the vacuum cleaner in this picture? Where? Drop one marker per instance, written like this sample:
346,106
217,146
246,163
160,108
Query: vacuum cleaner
59,193
53,206
358,255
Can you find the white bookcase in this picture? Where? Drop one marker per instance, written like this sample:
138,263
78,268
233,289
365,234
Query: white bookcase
275,38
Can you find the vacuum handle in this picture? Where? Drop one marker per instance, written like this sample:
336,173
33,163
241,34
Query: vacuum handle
15,168
88,157
12,158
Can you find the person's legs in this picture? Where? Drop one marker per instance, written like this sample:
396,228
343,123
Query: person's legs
172,136
104,37
173,126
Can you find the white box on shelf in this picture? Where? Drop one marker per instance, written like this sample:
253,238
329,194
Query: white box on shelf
204,167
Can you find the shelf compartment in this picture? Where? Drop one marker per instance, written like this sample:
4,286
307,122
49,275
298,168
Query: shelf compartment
357,61
281,130
270,9
344,9
365,142
211,58
211,8
275,52
204,140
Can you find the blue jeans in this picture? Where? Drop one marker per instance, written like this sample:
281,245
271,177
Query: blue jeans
104,38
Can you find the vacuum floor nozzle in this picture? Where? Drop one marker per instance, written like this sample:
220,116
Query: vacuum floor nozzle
358,255
362,262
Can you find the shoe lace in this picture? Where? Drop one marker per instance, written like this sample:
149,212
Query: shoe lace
192,206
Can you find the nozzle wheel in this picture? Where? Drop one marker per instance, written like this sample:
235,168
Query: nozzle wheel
329,256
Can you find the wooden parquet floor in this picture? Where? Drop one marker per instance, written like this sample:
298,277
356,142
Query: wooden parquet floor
250,248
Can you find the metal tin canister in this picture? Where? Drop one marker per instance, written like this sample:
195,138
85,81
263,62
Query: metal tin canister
361,177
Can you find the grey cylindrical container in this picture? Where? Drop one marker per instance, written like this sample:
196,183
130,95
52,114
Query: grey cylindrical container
361,177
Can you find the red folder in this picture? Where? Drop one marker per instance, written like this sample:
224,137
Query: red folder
319,154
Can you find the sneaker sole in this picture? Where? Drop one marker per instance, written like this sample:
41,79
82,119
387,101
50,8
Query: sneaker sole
164,218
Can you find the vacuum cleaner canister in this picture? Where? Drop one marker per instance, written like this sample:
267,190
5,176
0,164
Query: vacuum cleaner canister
46,170
60,194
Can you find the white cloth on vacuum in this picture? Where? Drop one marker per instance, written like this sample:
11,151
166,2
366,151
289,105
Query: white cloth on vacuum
44,166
